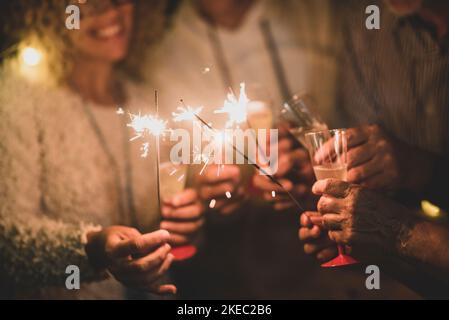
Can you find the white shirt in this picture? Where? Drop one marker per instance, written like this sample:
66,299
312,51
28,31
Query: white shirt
189,64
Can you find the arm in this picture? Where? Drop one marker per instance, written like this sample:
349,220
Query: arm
377,227
34,250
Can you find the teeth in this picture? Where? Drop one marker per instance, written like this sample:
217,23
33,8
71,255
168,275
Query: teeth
109,31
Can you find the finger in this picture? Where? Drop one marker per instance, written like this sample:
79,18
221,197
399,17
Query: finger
333,221
306,218
285,164
179,240
164,289
308,234
163,269
183,198
147,263
327,254
316,246
141,245
326,152
365,171
301,189
191,212
331,187
330,205
184,228
357,136
262,183
285,145
360,155
301,156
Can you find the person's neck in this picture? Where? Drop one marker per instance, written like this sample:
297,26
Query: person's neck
437,14
230,16
95,81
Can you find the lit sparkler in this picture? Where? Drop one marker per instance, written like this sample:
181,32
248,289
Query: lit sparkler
235,108
255,165
186,113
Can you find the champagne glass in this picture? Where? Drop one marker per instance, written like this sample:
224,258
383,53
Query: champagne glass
260,107
172,180
260,117
300,116
328,154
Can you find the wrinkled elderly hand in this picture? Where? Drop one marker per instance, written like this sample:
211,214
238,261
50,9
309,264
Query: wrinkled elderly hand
295,173
137,261
183,217
367,222
373,158
381,162
213,186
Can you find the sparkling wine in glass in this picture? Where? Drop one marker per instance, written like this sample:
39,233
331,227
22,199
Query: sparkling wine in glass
328,154
172,180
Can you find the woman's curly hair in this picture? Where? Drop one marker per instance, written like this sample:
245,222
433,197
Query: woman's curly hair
41,24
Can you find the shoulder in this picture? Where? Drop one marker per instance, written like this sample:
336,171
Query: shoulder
17,97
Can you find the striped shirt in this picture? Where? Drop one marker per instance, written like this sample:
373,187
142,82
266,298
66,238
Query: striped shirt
397,76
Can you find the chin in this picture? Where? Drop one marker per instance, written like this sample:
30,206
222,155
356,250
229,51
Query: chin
404,7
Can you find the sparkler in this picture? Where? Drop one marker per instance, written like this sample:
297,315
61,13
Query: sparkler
158,151
255,165
235,108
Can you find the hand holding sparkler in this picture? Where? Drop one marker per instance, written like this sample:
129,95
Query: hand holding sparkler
224,193
183,217
137,261
295,173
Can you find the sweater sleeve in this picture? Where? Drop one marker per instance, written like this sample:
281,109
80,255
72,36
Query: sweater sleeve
34,249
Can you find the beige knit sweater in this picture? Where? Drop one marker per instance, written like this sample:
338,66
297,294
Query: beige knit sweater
57,182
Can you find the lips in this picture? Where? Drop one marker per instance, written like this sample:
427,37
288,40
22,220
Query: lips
108,32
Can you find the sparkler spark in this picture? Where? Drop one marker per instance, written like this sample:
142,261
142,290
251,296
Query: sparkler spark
147,124
235,108
145,149
186,113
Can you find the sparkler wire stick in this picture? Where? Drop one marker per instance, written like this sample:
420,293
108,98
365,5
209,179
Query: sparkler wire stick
255,165
158,155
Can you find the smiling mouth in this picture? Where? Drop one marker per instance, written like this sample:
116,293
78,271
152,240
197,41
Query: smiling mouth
108,32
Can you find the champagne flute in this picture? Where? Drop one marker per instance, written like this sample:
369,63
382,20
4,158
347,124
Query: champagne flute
328,154
300,116
172,180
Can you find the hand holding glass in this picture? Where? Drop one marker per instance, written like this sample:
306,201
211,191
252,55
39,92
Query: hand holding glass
328,154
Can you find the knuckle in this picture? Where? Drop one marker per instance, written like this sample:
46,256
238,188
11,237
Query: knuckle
309,249
139,267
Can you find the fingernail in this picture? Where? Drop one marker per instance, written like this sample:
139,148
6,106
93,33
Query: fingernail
164,233
165,211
